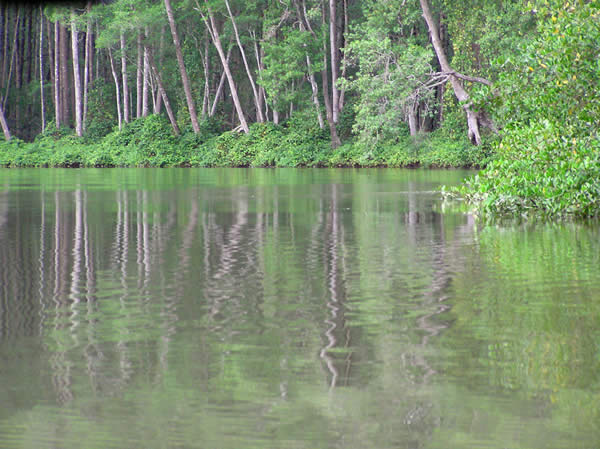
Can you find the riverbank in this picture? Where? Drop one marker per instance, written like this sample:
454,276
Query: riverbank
149,142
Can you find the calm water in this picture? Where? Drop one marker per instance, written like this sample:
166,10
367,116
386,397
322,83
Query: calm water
242,308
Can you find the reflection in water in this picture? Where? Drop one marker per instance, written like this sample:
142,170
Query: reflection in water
249,307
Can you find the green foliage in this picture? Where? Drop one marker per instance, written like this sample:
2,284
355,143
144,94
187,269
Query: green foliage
550,152
285,65
146,141
389,81
149,142
541,170
101,110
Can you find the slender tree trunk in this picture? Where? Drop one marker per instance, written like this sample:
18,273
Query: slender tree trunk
19,62
76,76
262,94
163,94
117,88
413,124
42,102
5,43
311,76
213,109
333,39
50,57
212,29
344,61
92,53
161,53
98,58
139,70
124,75
145,81
57,96
205,60
459,90
315,92
12,58
259,114
184,77
86,65
335,140
20,47
5,129
29,58
64,76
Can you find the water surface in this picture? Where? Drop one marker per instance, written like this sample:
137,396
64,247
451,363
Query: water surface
297,308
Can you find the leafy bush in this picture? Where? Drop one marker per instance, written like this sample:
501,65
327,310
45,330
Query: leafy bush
549,157
299,142
542,170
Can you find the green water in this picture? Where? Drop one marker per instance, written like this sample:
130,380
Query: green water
309,308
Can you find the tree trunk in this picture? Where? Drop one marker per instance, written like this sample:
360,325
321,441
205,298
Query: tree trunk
4,125
163,94
333,39
50,58
86,65
12,58
117,88
205,60
262,94
212,29
41,55
460,92
76,76
5,44
161,53
19,62
57,97
213,109
29,58
145,81
64,76
335,140
413,124
315,93
184,77
305,26
259,115
124,75
138,78
344,61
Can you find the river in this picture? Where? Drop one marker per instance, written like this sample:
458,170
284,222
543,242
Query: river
296,308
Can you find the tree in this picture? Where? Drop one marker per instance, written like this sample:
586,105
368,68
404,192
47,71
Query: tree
184,77
474,118
4,124
76,77
210,23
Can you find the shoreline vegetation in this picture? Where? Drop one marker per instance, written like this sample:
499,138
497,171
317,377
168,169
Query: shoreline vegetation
510,87
149,142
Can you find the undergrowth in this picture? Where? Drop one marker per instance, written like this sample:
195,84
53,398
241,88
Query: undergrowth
149,142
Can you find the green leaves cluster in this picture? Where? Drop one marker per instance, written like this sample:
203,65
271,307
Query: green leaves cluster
550,153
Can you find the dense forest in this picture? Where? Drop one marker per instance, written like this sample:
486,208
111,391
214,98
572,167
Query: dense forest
509,85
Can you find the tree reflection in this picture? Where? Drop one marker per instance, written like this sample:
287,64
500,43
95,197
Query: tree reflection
333,309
